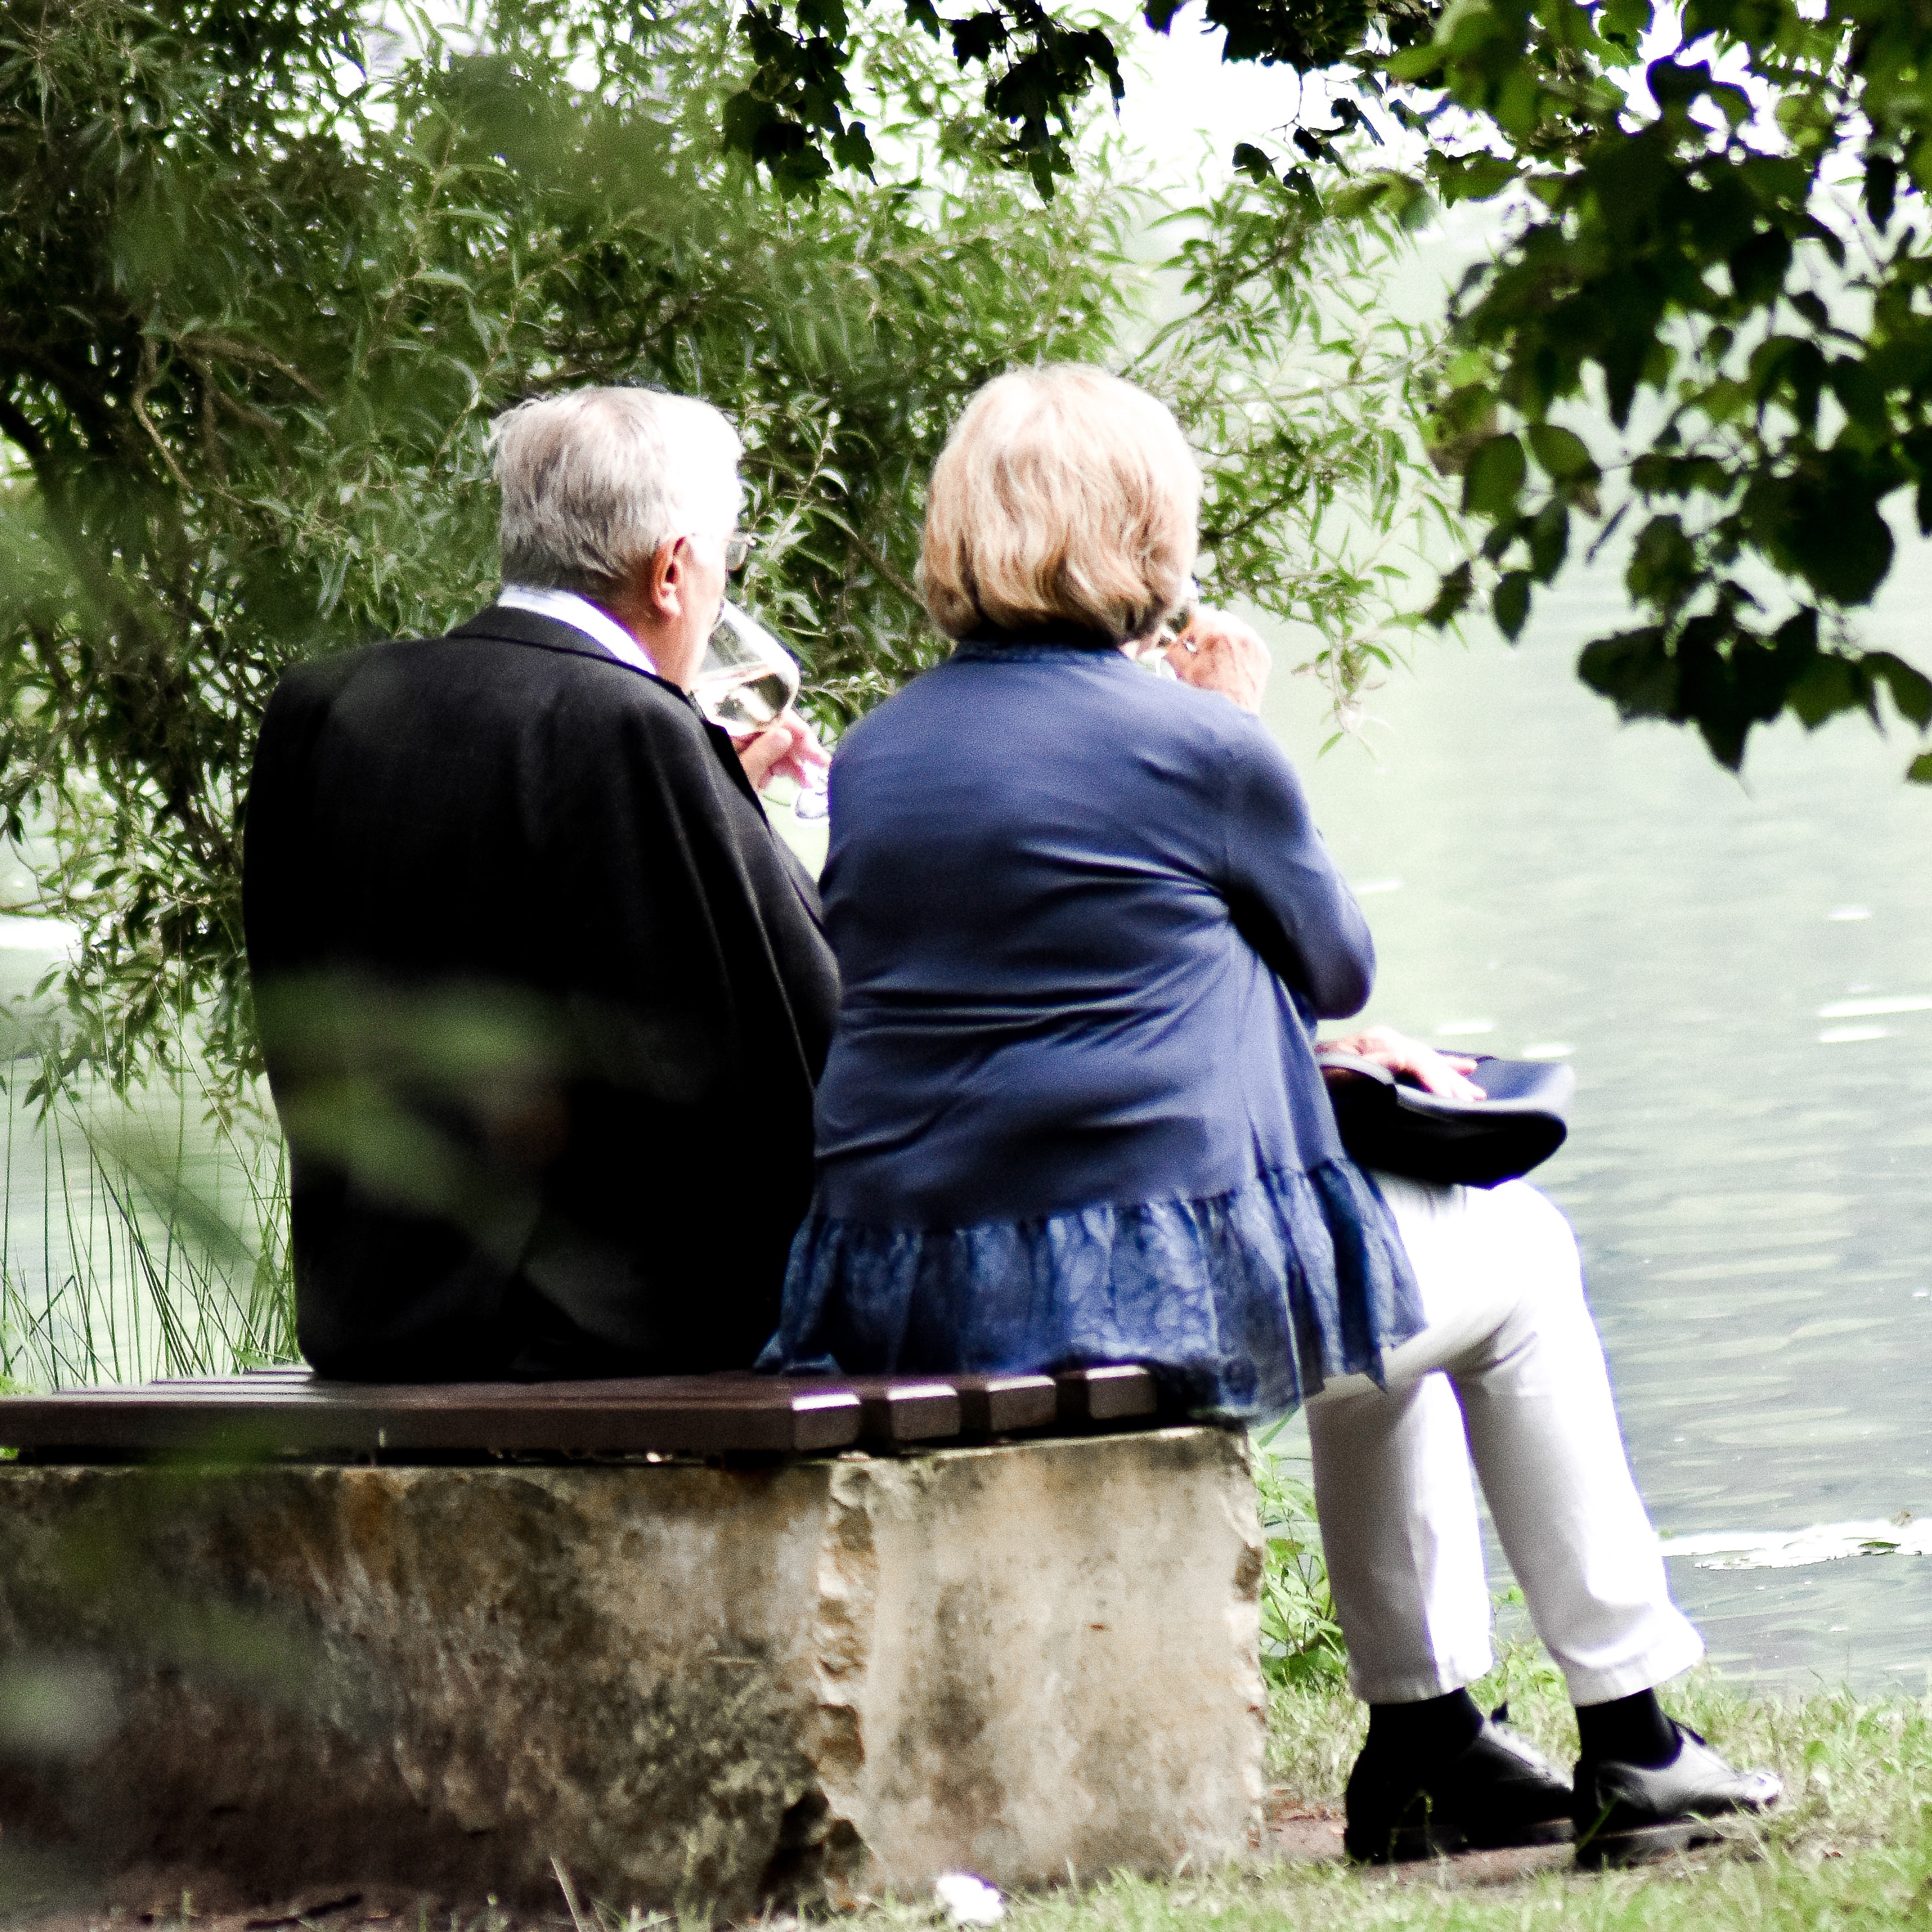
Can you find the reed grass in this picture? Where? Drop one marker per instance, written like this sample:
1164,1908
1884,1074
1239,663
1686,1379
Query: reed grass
139,1238
1302,1645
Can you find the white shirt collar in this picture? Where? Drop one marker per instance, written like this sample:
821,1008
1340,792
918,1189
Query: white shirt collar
580,614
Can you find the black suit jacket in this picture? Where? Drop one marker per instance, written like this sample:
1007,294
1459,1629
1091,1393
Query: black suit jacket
543,999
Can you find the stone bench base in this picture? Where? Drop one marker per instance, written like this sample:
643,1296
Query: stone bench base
709,1688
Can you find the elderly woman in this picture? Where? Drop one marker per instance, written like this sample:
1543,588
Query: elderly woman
1072,1113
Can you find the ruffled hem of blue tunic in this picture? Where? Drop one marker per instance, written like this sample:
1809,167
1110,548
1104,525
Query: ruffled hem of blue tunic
1243,1303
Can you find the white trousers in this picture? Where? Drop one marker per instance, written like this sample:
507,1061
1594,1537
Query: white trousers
1510,1373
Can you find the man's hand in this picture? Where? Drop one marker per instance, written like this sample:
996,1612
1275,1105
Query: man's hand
1438,1072
1218,653
789,749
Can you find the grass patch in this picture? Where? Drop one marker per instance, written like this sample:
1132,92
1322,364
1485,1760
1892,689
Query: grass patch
1853,1846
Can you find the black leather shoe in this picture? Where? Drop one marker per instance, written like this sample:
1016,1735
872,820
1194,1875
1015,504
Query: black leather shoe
1500,1789
1627,1813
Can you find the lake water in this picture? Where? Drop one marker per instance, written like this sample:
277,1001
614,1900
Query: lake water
1741,975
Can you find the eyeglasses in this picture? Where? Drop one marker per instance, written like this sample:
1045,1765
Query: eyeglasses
737,547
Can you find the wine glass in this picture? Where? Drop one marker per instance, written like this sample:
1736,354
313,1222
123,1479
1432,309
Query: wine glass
746,683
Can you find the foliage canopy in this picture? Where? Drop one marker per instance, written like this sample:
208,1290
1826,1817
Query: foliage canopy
1713,264
266,275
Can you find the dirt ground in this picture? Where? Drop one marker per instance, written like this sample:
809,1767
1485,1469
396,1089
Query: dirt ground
1298,1833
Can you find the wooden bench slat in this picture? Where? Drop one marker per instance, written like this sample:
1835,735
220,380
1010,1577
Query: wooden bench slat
924,1411
475,1417
1006,1404
230,1436
989,1405
892,1408
1112,1393
898,1409
746,1390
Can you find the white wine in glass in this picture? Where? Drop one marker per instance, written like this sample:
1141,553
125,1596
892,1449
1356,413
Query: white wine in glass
747,682
748,678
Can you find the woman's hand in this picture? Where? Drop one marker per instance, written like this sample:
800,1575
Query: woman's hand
789,749
1218,653
1438,1072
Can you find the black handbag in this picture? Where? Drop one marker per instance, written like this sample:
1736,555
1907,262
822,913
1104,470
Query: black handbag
1389,1122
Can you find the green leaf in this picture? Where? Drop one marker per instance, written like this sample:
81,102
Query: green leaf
1838,541
1920,769
1452,597
1561,452
1549,539
1510,604
1664,567
1861,392
1627,21
1829,686
1635,670
1911,689
853,149
1493,477
1881,188
1251,161
1416,63
1386,192
745,117
1473,177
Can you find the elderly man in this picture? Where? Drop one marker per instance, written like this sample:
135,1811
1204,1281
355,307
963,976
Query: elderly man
543,998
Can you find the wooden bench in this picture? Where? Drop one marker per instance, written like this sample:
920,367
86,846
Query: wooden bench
720,1644
293,1412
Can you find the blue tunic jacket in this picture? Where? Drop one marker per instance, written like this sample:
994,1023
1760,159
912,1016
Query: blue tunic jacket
1071,1113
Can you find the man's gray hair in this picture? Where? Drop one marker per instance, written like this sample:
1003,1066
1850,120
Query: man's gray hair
595,480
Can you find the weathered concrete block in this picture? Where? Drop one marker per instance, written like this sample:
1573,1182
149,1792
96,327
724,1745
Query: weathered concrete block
690,1686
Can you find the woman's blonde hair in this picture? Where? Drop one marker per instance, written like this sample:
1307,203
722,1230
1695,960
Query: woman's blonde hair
1062,494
